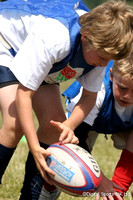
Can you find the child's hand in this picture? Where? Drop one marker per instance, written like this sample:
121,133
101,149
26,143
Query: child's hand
107,191
40,155
67,135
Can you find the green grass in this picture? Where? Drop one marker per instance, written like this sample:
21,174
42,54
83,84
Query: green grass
104,153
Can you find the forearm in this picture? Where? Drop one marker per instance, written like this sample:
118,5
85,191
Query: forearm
24,108
81,110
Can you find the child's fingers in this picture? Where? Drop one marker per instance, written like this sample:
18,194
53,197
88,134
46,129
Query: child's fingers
109,196
97,196
58,125
42,164
44,169
75,140
43,174
116,194
70,139
66,132
66,136
117,186
104,198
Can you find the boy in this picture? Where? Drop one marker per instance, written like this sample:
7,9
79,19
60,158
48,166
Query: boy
112,114
40,62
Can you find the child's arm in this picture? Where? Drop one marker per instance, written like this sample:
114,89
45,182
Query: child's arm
24,108
81,110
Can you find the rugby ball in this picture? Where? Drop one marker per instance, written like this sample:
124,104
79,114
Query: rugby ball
76,171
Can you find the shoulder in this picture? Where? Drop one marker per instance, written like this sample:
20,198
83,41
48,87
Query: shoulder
54,35
49,27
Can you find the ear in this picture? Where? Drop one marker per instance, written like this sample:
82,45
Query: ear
83,38
86,42
111,75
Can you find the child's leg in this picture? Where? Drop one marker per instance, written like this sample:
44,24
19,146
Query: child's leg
5,156
82,133
91,139
47,105
86,137
10,133
123,174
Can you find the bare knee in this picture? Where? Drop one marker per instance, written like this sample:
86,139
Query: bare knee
10,133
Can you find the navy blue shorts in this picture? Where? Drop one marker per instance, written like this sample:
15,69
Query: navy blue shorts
7,77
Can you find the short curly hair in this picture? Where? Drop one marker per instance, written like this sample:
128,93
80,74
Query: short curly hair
109,27
124,67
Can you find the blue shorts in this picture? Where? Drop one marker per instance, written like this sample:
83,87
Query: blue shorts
7,77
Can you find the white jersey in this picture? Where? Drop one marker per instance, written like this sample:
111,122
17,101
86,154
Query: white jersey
38,49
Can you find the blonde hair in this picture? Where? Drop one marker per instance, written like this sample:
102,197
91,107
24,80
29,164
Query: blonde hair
109,27
124,68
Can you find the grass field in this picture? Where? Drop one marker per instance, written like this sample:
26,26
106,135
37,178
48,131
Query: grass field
104,152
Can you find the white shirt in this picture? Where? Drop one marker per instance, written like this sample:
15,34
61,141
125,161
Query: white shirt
124,113
38,49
